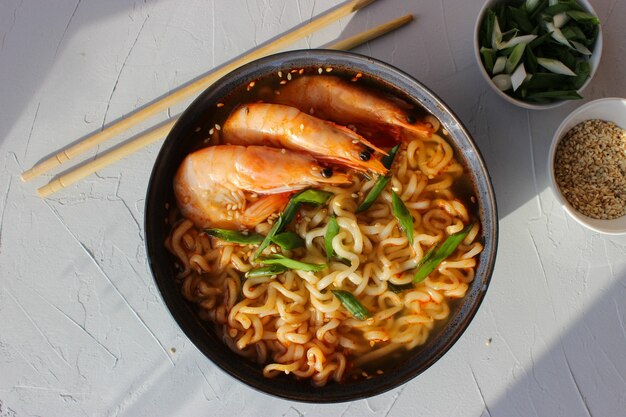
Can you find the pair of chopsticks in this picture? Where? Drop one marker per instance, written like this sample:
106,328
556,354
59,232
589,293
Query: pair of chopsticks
73,175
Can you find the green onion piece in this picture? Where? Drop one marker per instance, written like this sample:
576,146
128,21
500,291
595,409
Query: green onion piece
427,257
437,255
514,58
531,4
555,66
538,41
266,271
538,9
395,288
372,196
520,17
583,69
572,32
403,215
331,231
308,196
489,57
351,304
583,17
559,95
235,237
278,259
556,9
387,160
288,240
381,182
487,28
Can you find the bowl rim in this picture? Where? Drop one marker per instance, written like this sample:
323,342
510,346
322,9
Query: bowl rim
597,225
531,106
456,325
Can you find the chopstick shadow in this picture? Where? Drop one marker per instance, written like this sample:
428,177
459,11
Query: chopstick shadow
582,373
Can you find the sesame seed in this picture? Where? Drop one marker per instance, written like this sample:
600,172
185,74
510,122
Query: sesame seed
220,104
277,92
283,151
354,79
319,70
280,74
590,169
359,75
301,71
197,129
329,69
289,76
211,131
311,110
218,127
301,126
283,82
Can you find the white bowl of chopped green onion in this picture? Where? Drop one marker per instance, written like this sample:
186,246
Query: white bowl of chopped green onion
587,165
538,54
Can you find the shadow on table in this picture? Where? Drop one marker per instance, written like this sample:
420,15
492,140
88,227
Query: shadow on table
583,373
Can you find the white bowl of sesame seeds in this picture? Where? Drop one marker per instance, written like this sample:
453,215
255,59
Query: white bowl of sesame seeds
587,165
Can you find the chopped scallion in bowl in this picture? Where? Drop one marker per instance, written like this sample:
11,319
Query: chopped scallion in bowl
538,53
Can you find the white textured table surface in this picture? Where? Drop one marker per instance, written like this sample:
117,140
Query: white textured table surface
82,328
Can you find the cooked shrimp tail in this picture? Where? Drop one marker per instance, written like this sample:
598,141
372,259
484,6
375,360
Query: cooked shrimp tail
287,127
343,102
215,186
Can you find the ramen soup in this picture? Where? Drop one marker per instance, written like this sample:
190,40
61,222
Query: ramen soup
323,225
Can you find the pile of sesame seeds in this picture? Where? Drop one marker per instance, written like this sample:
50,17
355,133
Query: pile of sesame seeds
590,169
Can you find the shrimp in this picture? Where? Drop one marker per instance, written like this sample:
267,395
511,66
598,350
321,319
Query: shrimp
343,102
284,126
211,183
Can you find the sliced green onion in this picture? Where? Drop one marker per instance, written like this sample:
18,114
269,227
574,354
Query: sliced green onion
288,240
526,39
520,17
308,196
581,48
556,34
381,182
243,238
579,16
331,231
498,66
518,77
502,81
583,69
396,288
556,9
403,215
489,57
555,66
496,34
351,304
531,4
278,259
559,20
387,160
487,28
514,58
437,255
266,271
559,95
373,194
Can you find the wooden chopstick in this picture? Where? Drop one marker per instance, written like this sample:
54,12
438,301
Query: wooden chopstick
193,88
160,132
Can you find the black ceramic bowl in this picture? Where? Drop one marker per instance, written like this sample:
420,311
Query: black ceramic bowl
185,137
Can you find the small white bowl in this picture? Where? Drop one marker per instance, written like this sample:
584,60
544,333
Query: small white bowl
594,60
609,109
